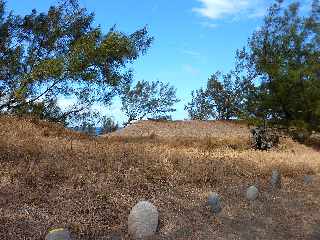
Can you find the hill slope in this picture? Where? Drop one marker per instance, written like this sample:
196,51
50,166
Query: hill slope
184,129
53,177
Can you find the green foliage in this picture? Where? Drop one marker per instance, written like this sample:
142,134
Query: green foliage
145,99
108,125
199,108
88,128
276,77
44,56
224,98
46,110
284,57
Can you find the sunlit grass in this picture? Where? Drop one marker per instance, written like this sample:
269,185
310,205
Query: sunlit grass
89,184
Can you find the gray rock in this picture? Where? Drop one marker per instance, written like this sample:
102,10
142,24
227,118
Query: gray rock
58,234
143,220
252,193
115,237
314,138
214,202
276,179
182,233
307,179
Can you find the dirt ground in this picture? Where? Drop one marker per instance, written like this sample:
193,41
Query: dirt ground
52,177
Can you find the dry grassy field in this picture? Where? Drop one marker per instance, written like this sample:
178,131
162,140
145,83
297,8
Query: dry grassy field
53,177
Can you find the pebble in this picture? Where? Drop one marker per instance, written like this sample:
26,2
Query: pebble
214,202
276,179
252,193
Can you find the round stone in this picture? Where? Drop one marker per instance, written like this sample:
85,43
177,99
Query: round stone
307,179
214,202
143,220
252,193
58,234
276,179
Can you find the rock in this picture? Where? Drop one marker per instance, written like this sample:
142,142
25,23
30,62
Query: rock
214,202
58,234
252,193
115,237
264,138
143,220
314,139
307,179
276,179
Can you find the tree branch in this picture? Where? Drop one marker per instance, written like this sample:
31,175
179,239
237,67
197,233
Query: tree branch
46,91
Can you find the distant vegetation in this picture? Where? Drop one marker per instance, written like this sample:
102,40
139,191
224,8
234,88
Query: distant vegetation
148,99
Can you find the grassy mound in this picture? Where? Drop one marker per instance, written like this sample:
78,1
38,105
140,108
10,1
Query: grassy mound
54,177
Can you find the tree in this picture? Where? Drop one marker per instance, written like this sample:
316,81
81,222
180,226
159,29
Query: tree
223,96
145,99
88,128
222,99
276,76
199,108
283,57
108,125
44,56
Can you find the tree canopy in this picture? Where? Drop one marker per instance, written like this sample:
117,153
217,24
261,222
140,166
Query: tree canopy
147,99
284,55
61,53
199,108
221,99
277,75
44,56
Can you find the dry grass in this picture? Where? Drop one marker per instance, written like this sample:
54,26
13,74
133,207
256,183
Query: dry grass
52,177
185,129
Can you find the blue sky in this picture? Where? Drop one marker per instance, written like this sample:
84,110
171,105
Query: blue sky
193,38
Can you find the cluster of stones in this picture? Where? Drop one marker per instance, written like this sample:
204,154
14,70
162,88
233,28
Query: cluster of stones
143,219
264,138
275,182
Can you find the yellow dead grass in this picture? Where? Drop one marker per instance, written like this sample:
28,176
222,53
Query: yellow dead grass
53,177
